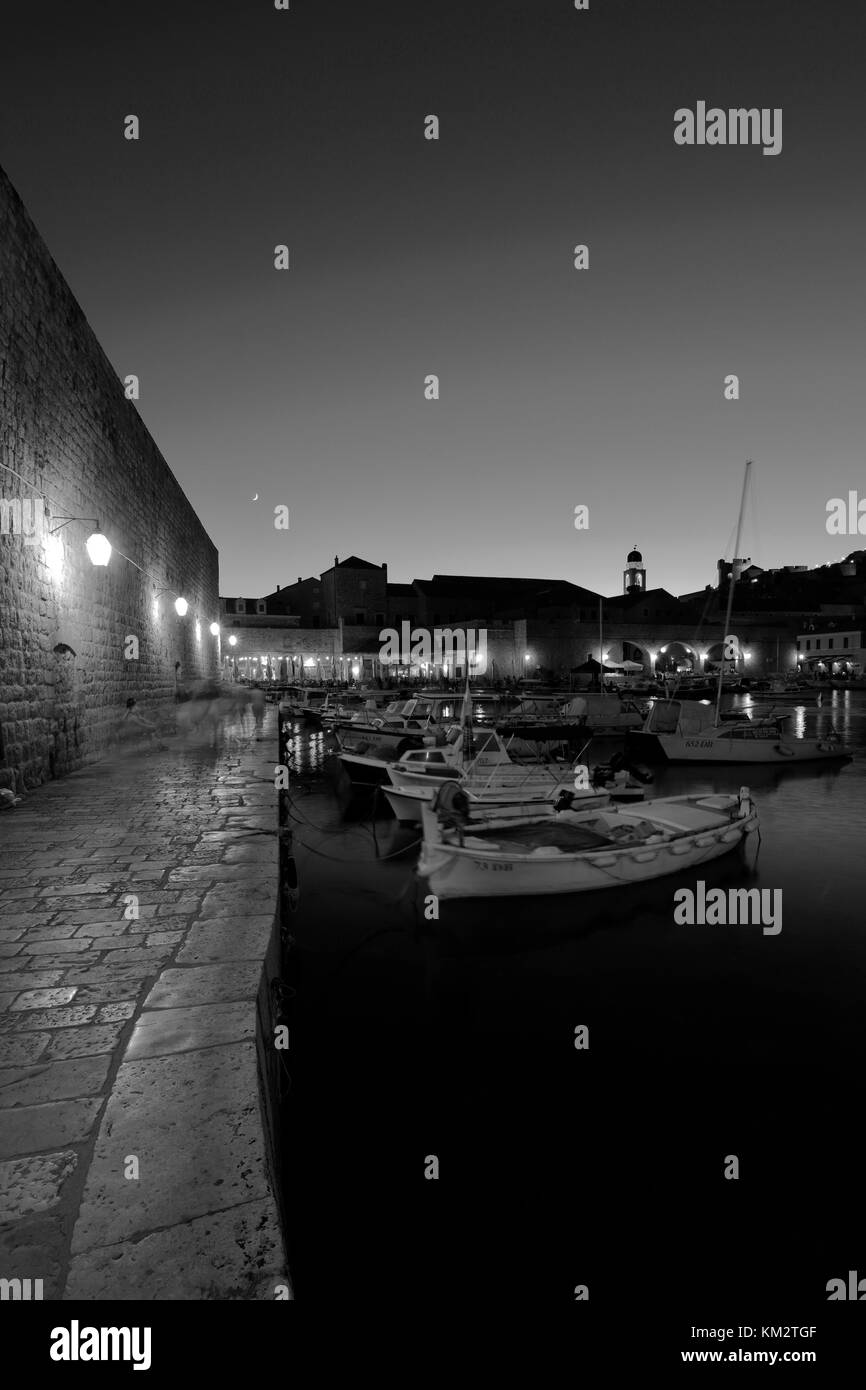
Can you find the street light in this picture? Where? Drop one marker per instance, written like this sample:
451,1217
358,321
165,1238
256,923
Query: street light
215,630
180,607
233,641
98,548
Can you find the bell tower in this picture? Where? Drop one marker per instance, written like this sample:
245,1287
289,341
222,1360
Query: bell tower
634,574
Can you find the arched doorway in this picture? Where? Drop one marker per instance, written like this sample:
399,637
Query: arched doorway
678,658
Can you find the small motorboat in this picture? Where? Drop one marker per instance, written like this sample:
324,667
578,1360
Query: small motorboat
373,731
571,851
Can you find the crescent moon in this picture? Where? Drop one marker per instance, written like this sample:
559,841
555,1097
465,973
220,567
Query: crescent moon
255,497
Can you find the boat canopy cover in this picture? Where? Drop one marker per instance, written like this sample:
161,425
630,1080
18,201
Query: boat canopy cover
543,705
594,705
685,716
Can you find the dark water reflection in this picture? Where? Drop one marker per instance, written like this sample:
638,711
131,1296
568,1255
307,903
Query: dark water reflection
455,1038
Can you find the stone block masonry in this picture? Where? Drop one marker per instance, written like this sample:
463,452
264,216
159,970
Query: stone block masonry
135,1119
67,428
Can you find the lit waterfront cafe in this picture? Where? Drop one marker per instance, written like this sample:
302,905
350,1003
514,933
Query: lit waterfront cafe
832,653
267,649
298,668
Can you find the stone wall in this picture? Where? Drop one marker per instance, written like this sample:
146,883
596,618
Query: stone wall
82,451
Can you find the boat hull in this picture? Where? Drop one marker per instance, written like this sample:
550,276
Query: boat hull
363,771
679,748
381,743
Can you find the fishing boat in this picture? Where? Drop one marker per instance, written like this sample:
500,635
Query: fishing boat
681,731
399,726
303,702
579,851
441,756
494,800
604,714
685,732
780,688
549,719
342,707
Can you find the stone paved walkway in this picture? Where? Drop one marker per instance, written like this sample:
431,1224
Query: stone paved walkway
132,1155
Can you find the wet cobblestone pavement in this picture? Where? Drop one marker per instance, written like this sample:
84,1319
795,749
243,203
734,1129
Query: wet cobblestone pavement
137,900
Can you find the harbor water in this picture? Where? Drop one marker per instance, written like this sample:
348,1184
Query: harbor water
558,1165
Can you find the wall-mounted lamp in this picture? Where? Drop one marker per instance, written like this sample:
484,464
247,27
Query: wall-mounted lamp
214,629
233,641
181,606
98,546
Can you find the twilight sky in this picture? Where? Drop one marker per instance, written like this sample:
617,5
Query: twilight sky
410,257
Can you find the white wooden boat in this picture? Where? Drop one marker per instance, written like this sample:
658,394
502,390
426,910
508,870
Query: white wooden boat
681,731
487,769
513,801
439,759
580,851
400,725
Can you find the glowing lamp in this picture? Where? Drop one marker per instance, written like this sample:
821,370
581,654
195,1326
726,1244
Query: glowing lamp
233,641
180,607
214,629
98,548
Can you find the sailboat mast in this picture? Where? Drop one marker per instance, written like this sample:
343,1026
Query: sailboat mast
732,585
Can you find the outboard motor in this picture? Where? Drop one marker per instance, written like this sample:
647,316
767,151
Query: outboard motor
746,805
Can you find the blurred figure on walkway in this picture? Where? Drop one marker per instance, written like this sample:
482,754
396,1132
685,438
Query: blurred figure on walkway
257,700
134,728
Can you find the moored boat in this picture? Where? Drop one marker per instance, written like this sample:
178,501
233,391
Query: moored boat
486,802
579,851
684,732
681,732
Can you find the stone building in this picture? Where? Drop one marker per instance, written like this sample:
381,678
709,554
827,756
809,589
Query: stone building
355,591
77,638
